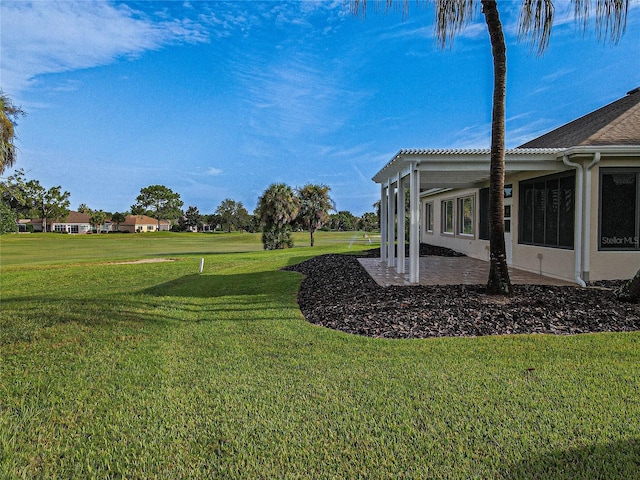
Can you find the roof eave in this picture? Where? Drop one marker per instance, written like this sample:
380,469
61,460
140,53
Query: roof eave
401,161
608,150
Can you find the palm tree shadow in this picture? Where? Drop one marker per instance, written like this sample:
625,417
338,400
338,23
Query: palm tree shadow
177,300
614,461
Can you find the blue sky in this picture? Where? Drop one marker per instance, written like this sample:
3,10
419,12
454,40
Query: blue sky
218,100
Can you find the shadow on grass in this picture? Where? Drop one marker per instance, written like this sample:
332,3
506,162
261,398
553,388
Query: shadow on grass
615,461
250,297
207,285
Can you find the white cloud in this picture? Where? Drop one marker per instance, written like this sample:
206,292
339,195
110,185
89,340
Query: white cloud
213,171
54,37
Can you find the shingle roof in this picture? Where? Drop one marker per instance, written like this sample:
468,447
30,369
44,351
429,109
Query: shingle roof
142,220
73,217
615,124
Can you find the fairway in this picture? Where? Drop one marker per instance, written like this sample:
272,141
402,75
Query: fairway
152,370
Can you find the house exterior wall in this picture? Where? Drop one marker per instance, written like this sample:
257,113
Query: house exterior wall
142,223
470,245
138,227
552,262
548,261
64,227
608,265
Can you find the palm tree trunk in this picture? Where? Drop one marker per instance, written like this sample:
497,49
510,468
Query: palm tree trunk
499,282
630,291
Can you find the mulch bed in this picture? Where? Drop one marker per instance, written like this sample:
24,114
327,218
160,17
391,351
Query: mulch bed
338,293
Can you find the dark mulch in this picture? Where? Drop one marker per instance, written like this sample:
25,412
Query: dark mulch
338,293
425,249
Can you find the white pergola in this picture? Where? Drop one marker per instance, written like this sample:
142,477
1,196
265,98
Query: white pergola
421,170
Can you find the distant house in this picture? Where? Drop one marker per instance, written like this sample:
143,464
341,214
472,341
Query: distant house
571,199
75,222
142,223
23,225
108,226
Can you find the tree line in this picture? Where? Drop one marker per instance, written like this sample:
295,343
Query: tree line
280,210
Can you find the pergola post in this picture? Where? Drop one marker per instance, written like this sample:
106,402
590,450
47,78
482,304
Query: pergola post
401,223
391,230
384,208
414,225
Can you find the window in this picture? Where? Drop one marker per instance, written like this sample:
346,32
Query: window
447,216
60,228
465,216
508,191
428,211
547,211
619,209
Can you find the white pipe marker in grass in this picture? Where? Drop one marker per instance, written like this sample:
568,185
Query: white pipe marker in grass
201,264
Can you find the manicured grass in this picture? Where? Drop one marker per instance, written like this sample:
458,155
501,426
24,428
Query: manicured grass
39,249
154,371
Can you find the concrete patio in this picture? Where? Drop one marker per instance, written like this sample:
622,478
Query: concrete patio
436,270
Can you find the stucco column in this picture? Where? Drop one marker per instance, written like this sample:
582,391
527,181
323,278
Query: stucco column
384,208
401,224
414,225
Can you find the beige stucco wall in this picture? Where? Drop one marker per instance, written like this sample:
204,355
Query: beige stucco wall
469,245
608,265
553,262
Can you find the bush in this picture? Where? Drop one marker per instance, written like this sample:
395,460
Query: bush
7,220
274,238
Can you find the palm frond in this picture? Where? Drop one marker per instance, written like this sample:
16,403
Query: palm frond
451,17
535,23
610,17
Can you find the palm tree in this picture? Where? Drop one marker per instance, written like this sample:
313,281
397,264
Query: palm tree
315,204
535,23
8,115
277,208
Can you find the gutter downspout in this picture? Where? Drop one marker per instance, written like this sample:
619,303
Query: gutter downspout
586,252
577,236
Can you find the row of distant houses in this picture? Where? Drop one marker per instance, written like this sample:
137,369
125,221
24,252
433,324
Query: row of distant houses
77,222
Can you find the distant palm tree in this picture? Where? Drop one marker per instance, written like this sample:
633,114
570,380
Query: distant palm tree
277,208
315,205
8,115
535,23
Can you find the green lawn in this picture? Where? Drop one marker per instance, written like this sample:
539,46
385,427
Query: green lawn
154,371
